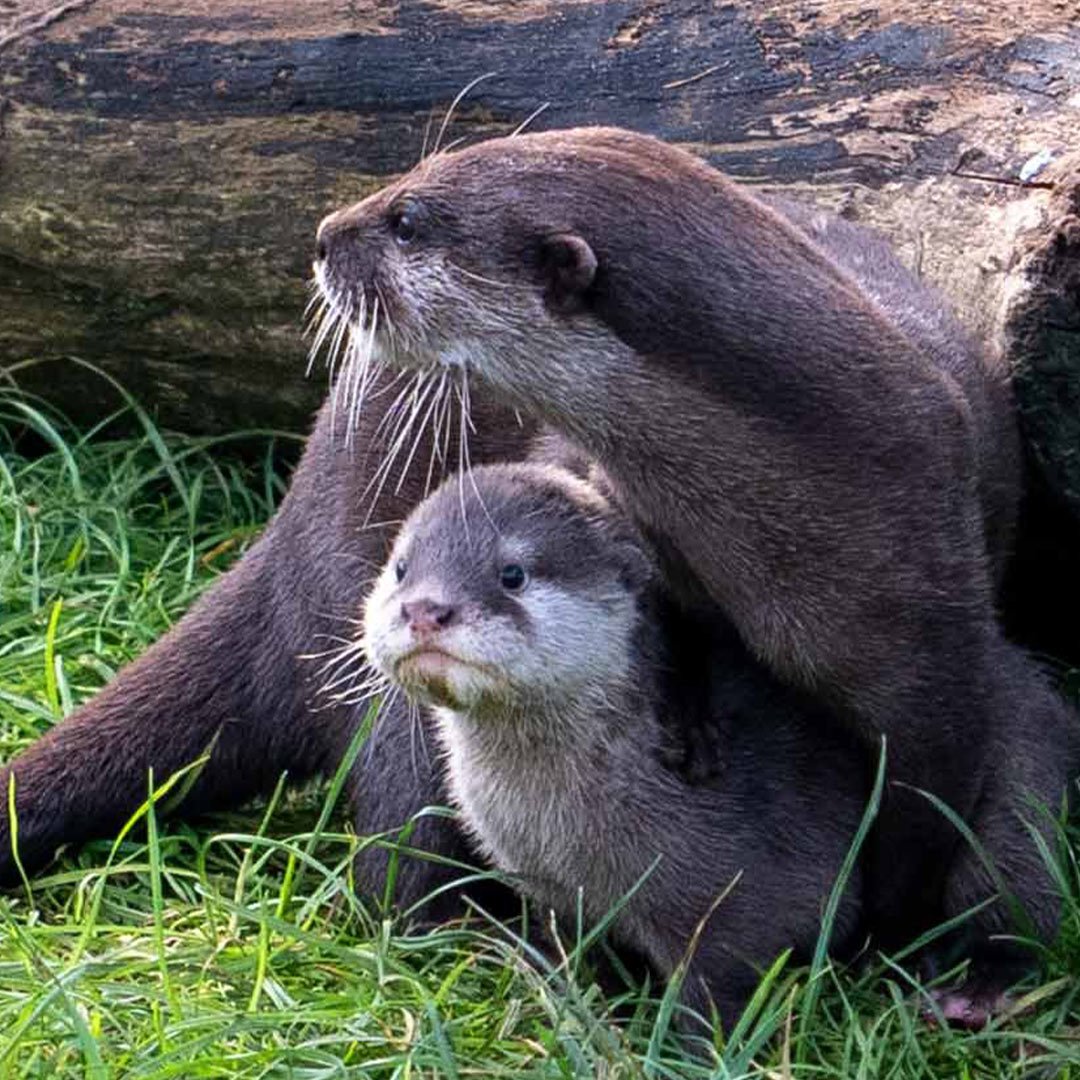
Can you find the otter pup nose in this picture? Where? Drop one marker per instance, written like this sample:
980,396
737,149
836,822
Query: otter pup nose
426,617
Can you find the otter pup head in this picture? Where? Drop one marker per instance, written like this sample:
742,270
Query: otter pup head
512,589
515,252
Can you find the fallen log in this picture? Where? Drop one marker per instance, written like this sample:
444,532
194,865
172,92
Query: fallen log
161,174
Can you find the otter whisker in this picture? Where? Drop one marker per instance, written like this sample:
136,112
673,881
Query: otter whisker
342,335
366,369
312,316
399,418
416,725
424,428
387,324
452,143
354,694
449,423
462,440
339,660
328,316
339,644
401,434
392,384
438,452
427,134
393,419
380,687
315,319
474,276
529,119
390,415
454,104
389,697
467,426
359,678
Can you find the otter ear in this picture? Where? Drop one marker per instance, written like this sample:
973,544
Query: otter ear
569,268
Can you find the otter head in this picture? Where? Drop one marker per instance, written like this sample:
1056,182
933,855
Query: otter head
534,260
509,591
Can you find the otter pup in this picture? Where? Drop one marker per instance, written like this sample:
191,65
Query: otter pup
524,609
812,444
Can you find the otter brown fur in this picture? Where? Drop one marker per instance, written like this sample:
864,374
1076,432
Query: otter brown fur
524,609
820,453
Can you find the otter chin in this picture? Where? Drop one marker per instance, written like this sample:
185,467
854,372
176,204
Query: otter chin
441,678
813,444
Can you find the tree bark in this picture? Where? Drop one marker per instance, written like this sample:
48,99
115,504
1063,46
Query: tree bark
161,175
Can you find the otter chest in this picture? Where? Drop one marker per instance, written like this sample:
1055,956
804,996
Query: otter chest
554,818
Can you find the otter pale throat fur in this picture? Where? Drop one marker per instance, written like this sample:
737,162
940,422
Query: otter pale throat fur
526,611
810,440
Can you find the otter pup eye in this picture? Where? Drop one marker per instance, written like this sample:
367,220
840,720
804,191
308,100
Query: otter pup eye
512,577
400,569
403,224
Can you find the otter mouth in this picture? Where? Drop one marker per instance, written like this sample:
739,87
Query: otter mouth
429,661
429,671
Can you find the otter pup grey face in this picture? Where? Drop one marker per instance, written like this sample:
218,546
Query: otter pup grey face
513,588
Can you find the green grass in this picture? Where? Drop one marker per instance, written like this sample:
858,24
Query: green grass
206,951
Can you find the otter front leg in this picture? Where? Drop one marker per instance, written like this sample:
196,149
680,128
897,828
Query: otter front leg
215,682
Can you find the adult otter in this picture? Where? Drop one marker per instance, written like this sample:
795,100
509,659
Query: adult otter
526,611
822,454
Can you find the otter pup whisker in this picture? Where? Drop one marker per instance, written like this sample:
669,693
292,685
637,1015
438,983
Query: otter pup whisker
349,667
416,728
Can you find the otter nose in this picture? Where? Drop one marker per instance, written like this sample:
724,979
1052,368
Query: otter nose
426,617
334,232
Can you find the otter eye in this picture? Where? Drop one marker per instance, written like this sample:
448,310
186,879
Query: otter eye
512,577
400,569
403,224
